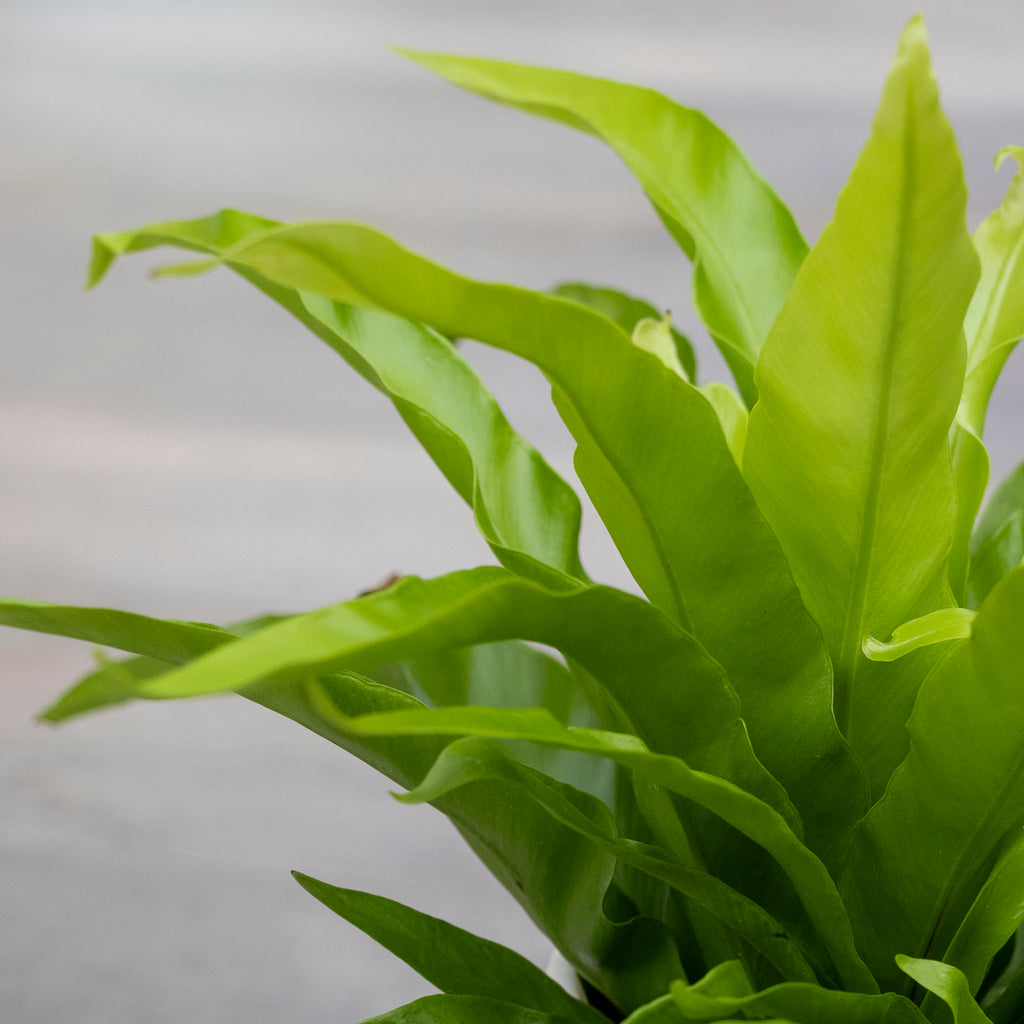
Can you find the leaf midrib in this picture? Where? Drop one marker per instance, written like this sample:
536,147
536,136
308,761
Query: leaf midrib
856,612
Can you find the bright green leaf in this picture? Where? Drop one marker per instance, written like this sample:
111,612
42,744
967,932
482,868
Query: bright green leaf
732,415
166,640
995,319
744,243
970,472
654,335
522,845
934,628
528,515
847,450
484,605
611,634
651,451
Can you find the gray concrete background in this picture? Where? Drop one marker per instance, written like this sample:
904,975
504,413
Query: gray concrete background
183,449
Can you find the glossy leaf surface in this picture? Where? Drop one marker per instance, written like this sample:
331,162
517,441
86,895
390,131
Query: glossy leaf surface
608,632
847,450
485,605
525,511
744,243
166,639
651,452
961,786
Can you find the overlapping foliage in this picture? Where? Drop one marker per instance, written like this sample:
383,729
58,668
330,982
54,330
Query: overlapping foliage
789,782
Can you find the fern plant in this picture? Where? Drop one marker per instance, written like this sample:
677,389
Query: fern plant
786,783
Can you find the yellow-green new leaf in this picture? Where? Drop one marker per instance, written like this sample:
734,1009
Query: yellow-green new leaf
993,326
948,984
711,1000
995,319
934,628
847,450
627,311
744,243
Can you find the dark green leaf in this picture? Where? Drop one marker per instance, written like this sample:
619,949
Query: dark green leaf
742,811
949,984
465,1010
924,851
451,959
993,919
473,760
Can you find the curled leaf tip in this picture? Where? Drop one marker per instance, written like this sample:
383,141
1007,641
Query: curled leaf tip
937,627
1013,152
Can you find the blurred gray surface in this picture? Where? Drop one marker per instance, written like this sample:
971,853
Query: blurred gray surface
183,449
